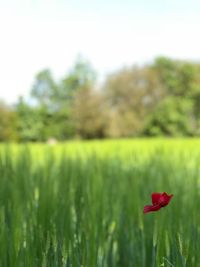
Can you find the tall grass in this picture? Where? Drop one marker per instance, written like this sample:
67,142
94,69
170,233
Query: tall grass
80,204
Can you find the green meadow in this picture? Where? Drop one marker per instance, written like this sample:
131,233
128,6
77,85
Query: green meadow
80,204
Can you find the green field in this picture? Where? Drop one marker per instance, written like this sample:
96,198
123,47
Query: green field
80,204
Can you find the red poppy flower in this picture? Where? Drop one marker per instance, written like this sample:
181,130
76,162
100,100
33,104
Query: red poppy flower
159,200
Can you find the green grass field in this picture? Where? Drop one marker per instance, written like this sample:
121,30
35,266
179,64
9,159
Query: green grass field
80,204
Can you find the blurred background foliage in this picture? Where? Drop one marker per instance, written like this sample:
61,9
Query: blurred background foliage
158,99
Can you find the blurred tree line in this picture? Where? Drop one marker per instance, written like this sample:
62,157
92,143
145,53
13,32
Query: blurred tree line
162,98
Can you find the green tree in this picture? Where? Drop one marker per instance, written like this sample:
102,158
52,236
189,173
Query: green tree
45,89
30,123
130,95
171,117
54,100
81,75
180,80
89,114
8,123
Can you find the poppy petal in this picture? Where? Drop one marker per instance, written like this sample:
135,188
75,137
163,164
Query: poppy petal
165,199
155,198
150,208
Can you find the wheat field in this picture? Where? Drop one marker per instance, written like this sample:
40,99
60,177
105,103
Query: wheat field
80,204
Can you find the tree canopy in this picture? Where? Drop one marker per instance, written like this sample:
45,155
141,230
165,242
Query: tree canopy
161,98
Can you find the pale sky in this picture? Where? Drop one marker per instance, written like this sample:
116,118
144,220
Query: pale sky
38,34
